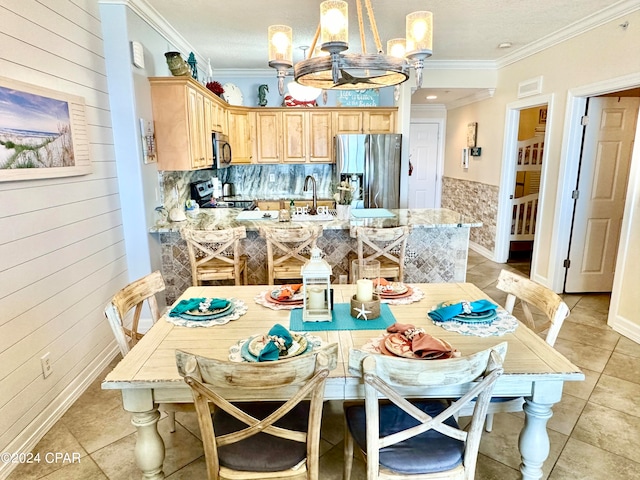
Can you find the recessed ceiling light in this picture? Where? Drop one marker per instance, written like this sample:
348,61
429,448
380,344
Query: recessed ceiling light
505,45
431,97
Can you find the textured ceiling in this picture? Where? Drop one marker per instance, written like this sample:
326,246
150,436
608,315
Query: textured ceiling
233,34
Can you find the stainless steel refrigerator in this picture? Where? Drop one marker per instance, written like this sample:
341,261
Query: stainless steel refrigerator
371,164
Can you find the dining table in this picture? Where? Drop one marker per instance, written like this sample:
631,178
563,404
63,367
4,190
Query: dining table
148,376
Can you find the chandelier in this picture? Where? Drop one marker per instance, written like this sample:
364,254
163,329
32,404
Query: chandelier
330,69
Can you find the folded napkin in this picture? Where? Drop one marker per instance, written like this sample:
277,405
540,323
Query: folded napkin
479,307
287,291
422,344
202,304
279,341
383,282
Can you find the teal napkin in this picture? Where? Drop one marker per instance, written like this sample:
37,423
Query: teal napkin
443,314
271,351
193,303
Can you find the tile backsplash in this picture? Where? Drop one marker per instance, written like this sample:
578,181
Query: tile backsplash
252,181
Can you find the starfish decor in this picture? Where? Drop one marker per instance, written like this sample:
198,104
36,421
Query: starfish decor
362,312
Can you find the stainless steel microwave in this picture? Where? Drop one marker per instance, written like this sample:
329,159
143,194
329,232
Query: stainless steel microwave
221,150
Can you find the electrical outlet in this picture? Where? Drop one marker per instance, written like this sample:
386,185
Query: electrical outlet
272,177
342,279
45,361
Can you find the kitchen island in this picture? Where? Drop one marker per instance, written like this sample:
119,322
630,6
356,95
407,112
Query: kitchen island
436,252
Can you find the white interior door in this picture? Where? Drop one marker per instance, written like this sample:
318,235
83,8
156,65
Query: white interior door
423,154
604,171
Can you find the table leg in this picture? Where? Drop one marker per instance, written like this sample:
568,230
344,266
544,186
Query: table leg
534,439
149,449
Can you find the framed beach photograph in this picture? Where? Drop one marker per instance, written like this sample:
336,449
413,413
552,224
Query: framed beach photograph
43,133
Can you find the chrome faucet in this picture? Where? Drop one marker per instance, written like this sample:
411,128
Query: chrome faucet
314,205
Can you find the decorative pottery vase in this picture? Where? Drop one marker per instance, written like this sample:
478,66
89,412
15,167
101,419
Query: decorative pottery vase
177,65
343,212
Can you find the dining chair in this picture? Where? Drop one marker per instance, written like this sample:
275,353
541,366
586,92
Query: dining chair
404,438
215,254
288,249
549,303
386,245
260,439
133,297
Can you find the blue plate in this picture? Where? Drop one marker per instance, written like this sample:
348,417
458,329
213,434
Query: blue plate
249,357
202,318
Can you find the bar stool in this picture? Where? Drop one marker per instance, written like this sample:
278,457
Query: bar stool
215,254
285,248
386,245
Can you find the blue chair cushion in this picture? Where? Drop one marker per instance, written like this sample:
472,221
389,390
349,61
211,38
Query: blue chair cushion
428,452
262,452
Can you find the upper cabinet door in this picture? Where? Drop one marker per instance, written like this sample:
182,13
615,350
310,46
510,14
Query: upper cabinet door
294,133
347,121
268,140
379,121
320,145
240,136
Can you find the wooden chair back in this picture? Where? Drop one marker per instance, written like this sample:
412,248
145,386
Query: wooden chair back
215,254
131,297
288,249
398,379
541,297
387,245
297,379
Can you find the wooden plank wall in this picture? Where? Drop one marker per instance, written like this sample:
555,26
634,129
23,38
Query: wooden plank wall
62,252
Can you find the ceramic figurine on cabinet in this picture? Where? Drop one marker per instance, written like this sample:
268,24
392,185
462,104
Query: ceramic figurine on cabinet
193,65
262,95
177,65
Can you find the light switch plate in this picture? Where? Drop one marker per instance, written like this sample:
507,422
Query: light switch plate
137,54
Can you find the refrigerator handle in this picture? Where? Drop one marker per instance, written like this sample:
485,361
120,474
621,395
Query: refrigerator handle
366,181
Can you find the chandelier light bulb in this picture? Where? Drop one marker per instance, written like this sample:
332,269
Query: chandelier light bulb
280,42
333,21
396,47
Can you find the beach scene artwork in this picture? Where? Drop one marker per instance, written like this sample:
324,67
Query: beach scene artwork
35,131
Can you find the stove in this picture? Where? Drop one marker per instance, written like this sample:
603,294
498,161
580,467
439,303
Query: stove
202,193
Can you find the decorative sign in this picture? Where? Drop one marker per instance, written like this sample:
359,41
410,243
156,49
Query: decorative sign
358,98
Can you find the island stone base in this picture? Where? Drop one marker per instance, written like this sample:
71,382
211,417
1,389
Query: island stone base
434,255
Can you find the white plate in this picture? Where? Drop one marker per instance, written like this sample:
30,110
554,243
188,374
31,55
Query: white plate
232,94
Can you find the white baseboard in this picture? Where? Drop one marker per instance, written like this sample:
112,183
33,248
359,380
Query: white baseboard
482,251
624,326
30,436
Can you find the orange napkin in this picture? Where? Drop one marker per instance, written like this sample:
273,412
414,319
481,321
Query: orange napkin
287,291
381,281
423,345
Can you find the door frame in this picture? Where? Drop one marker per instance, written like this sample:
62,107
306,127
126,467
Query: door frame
508,174
569,165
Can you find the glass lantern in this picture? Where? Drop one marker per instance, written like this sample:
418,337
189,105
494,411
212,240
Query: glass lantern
316,288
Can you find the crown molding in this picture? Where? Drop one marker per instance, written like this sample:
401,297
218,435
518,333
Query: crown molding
623,7
578,28
476,97
156,21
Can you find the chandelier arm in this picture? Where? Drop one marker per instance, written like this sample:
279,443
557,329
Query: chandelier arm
315,41
363,42
374,26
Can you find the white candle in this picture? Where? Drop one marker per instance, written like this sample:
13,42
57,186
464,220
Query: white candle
364,292
316,299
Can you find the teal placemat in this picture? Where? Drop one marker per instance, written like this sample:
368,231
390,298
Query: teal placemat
342,320
371,213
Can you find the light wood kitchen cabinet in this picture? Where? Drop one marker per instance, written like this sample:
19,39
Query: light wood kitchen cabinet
182,124
269,204
370,120
293,136
240,136
267,138
219,118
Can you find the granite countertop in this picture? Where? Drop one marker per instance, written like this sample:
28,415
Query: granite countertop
219,218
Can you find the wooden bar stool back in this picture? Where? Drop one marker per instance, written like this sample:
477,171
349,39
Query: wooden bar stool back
215,254
386,245
288,249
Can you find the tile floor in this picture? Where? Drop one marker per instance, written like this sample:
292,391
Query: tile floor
595,430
